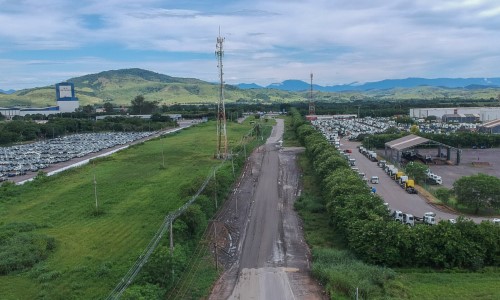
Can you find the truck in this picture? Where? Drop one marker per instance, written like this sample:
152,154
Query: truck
429,218
381,163
372,155
408,219
409,186
392,171
402,180
433,178
397,215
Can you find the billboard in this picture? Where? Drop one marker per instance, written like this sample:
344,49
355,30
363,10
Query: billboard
65,91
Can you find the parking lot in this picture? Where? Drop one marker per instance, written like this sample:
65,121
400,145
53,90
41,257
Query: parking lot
473,161
58,154
391,192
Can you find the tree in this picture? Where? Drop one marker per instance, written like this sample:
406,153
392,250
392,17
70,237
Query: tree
414,129
108,107
478,191
416,170
140,106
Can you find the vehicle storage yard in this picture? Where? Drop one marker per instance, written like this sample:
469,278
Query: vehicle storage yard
24,161
391,192
473,161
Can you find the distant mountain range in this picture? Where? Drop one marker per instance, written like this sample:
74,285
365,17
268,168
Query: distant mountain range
7,92
120,87
298,85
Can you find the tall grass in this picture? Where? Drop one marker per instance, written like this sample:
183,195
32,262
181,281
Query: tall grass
342,275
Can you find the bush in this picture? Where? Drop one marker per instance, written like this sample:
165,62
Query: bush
443,194
22,250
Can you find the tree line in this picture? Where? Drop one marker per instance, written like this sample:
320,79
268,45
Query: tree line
26,130
372,235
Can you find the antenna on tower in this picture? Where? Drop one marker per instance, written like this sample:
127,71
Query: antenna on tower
221,110
312,106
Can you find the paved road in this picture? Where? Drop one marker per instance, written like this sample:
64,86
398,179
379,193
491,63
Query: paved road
273,257
392,193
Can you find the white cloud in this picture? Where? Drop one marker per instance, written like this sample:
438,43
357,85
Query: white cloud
266,41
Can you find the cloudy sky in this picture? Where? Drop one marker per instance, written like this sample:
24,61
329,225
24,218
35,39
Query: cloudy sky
266,41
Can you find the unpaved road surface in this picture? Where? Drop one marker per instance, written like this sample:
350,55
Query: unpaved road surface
270,257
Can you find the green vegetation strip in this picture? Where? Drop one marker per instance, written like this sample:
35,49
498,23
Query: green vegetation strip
339,213
94,248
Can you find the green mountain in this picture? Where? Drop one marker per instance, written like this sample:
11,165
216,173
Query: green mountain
120,87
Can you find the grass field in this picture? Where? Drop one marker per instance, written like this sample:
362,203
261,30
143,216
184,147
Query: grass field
93,251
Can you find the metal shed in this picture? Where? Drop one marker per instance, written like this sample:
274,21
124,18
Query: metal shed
492,127
412,141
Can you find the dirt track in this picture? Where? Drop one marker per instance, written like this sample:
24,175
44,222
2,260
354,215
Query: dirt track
267,258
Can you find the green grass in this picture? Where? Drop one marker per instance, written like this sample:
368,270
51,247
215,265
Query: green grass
289,137
93,251
442,286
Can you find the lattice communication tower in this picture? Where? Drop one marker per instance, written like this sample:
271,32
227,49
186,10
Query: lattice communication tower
221,110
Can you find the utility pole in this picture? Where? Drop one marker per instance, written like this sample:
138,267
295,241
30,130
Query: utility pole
95,191
171,240
162,152
215,189
215,247
172,248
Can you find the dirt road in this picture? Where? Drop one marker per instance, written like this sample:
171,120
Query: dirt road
272,259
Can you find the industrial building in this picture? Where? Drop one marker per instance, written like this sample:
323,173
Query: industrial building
490,127
485,114
65,99
413,142
460,118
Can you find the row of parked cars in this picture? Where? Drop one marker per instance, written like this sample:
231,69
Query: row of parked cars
371,125
19,159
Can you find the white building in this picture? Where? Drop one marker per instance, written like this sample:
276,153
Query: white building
485,113
65,99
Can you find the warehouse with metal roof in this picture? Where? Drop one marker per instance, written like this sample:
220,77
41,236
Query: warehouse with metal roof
492,127
395,148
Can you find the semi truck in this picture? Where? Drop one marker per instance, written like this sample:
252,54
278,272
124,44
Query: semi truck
397,215
409,186
408,219
429,218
